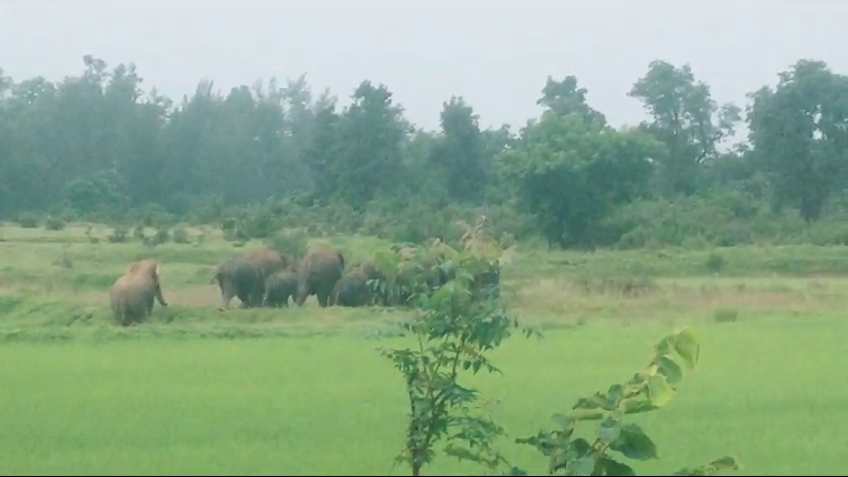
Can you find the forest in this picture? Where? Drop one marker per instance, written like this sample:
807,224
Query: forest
104,146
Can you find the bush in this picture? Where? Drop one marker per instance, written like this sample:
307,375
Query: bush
293,242
161,236
455,328
119,235
180,235
28,221
612,438
715,263
54,223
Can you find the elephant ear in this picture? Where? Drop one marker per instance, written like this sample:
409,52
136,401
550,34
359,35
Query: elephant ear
157,272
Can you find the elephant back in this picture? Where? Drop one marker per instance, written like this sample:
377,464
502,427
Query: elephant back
269,261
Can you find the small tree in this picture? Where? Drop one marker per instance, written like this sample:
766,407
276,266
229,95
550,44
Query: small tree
647,391
454,327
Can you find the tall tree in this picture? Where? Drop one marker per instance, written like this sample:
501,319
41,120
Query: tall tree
460,154
572,170
566,97
373,133
800,134
322,155
686,119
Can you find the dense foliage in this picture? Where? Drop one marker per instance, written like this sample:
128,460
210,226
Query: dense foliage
97,146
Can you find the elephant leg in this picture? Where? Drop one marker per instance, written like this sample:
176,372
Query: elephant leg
227,294
303,292
266,298
256,299
324,296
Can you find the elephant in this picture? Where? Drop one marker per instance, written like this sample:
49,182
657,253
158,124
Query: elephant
371,272
408,276
244,277
240,278
132,296
352,289
317,275
279,287
269,260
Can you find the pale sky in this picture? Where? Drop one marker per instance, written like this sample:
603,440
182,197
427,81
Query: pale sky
496,54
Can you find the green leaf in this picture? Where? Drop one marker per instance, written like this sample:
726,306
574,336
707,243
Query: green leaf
475,366
633,443
608,466
461,453
586,414
580,447
597,400
670,369
615,393
660,392
581,466
713,468
609,430
688,346
637,405
561,419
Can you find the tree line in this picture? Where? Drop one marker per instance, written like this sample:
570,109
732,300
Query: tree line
97,146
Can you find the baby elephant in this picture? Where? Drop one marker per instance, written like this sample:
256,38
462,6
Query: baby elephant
352,289
279,287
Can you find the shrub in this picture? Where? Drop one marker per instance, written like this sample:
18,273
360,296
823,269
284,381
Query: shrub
647,391
27,221
54,223
119,235
715,263
180,235
455,331
455,328
293,242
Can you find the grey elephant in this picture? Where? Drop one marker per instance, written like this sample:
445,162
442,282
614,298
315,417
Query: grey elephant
268,260
317,275
237,277
371,272
244,277
427,272
352,289
132,296
279,287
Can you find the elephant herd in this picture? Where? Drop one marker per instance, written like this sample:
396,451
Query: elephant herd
261,278
267,278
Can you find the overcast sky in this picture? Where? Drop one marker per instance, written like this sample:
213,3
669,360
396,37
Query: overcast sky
496,54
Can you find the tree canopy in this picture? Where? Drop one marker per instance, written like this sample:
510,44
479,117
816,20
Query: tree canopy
102,144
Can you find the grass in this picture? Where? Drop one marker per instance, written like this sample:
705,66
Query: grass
329,405
314,397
